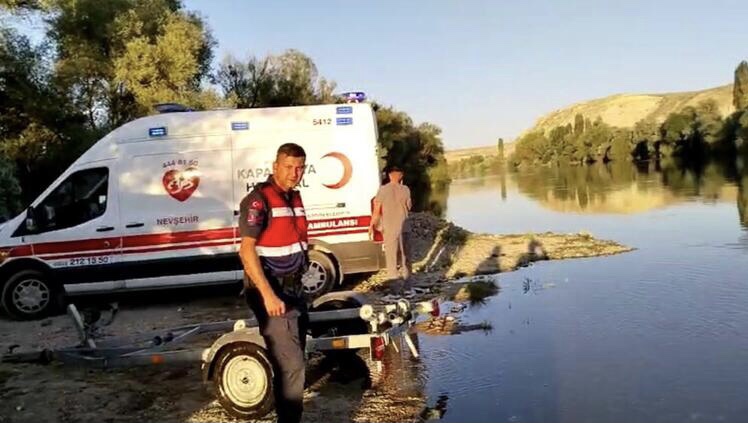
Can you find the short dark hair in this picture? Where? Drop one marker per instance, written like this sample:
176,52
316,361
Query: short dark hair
290,149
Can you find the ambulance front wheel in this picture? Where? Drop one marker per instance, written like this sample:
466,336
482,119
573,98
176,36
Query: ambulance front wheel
29,294
321,276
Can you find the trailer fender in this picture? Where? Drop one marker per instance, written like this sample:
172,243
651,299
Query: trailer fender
247,335
340,296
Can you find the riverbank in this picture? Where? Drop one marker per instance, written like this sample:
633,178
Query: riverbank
441,252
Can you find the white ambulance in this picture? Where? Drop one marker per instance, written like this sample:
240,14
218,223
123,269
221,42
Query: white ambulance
154,204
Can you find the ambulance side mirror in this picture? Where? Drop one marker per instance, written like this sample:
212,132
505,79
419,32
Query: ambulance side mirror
30,220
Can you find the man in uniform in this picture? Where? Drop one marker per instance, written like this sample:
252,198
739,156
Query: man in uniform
273,252
391,207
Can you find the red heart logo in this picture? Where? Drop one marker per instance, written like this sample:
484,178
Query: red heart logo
180,184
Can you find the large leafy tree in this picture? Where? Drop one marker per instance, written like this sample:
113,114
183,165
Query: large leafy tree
418,149
102,63
39,129
118,58
164,62
288,79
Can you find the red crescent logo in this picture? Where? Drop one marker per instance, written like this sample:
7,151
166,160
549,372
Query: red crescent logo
347,170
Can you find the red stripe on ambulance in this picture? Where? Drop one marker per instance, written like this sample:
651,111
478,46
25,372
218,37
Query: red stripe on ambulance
160,241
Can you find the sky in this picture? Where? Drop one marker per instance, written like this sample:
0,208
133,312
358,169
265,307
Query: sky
481,70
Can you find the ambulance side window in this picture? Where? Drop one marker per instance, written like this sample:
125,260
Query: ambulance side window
79,198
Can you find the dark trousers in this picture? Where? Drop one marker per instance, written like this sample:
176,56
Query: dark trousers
285,337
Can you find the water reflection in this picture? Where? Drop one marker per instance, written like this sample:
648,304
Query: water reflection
351,388
431,199
743,200
652,335
625,188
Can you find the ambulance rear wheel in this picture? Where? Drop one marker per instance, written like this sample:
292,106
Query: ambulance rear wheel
321,276
29,294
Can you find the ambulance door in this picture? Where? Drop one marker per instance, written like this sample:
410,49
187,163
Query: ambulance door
77,229
176,210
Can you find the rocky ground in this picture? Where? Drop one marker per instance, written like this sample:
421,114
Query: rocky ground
440,254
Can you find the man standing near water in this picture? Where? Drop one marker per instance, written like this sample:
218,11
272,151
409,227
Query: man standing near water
391,207
273,251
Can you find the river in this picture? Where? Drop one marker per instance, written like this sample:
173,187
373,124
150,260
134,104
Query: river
657,334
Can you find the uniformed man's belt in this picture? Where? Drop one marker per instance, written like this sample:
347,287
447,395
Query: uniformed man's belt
288,280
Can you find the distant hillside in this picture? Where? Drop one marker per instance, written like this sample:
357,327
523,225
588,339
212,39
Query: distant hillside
624,110
464,153
620,110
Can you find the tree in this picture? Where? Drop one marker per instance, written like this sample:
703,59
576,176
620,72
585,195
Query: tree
102,64
501,148
290,79
578,124
709,124
296,76
740,87
417,149
85,45
557,139
39,129
115,59
247,84
10,191
645,136
675,131
592,145
530,148
24,7
165,66
742,132
620,148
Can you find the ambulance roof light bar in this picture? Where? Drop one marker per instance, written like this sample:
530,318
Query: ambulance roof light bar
171,108
353,97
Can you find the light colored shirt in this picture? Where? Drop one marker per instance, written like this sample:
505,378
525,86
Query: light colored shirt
396,203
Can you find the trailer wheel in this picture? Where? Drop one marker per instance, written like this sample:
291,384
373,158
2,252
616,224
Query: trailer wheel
321,276
29,294
244,381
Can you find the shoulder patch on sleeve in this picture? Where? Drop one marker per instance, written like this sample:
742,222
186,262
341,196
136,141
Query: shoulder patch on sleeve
255,211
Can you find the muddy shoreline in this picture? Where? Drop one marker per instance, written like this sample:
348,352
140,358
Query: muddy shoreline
441,253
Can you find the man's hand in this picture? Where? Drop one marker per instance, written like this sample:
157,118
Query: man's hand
274,306
252,267
371,232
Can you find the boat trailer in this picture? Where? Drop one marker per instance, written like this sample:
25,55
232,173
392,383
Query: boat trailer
237,363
